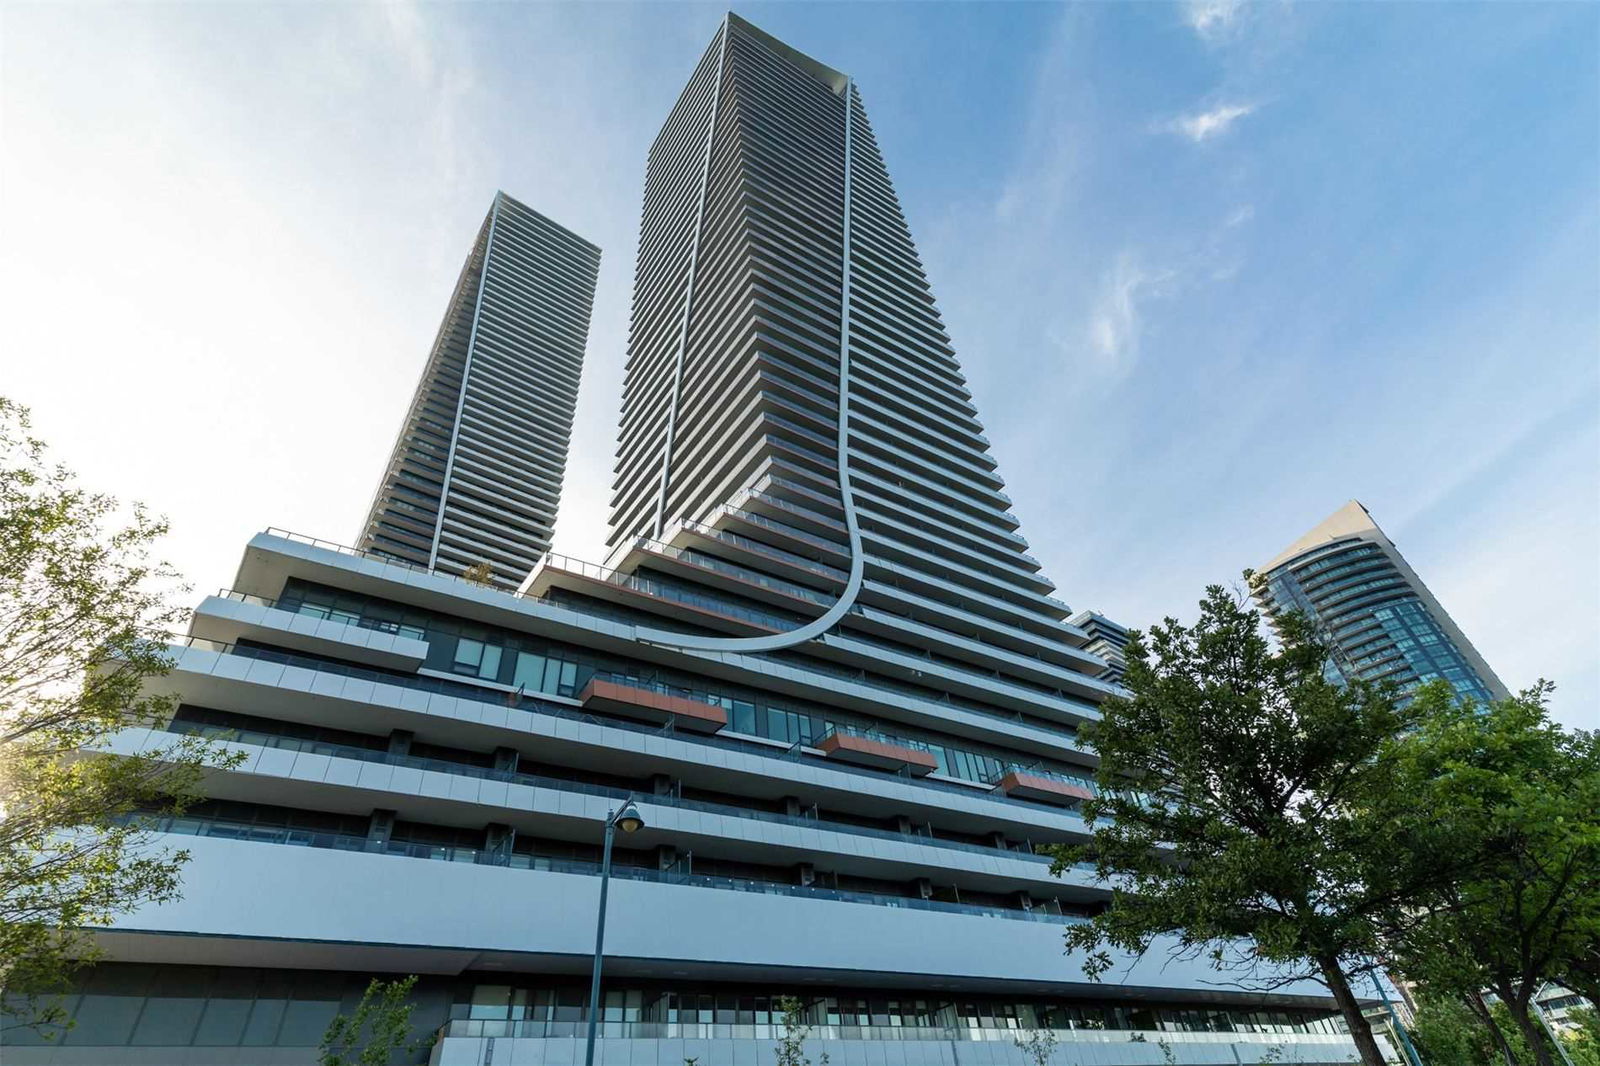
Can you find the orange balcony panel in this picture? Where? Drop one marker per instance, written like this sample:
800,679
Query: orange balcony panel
878,754
1042,789
648,705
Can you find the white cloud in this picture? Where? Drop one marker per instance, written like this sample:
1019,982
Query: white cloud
1114,321
1211,19
1240,215
1203,125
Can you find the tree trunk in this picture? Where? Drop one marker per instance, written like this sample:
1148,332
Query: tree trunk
1481,1009
1538,1045
1360,1030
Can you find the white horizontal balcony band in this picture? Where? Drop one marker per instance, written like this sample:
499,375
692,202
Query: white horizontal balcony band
229,620
464,915
287,778
294,694
974,683
1055,638
872,619
948,718
272,559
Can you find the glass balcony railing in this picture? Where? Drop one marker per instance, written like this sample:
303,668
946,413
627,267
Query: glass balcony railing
262,738
662,591
866,733
656,1030
764,549
789,485
735,571
646,586
746,515
268,834
945,699
383,625
535,705
352,618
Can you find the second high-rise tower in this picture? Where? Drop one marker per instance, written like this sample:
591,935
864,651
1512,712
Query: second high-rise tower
475,476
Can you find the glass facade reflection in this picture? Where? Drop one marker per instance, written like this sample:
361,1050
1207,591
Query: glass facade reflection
134,1005
1380,621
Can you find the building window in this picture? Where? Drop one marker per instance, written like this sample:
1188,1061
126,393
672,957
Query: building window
477,659
541,673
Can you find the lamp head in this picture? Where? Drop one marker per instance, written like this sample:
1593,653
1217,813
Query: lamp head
629,820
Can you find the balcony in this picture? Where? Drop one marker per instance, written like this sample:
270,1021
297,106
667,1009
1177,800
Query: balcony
1183,1046
806,819
656,597
877,752
292,687
230,616
1041,789
651,703
213,829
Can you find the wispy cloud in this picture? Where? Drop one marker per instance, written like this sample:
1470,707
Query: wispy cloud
1204,125
1212,19
1114,322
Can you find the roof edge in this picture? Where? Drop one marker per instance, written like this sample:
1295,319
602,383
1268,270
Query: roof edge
833,79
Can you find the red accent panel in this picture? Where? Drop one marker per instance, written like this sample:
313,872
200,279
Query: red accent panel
1043,789
652,705
869,752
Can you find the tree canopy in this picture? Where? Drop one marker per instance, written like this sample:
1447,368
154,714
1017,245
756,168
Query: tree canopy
1234,781
1519,800
84,615
376,1030
1287,826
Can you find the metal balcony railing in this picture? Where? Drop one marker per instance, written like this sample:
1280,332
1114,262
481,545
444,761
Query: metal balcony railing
671,593
297,606
694,601
656,1030
762,548
735,571
535,705
265,834
262,738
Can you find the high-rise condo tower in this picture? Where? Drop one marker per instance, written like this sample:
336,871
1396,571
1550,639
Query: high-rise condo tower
819,659
1379,620
476,471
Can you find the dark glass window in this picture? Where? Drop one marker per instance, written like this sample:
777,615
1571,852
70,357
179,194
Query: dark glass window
304,1022
262,1028
105,1020
222,1024
168,1020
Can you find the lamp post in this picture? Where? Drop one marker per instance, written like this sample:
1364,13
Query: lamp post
1555,1038
1410,1052
629,820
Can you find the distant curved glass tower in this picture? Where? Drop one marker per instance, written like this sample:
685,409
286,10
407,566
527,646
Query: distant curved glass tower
476,471
1380,620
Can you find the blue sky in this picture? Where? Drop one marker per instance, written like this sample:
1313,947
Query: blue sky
1212,268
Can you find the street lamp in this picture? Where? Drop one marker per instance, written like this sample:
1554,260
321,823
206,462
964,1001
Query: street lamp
628,819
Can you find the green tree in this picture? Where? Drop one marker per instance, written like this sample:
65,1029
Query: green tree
379,1027
1230,817
83,617
791,1049
1449,1033
1039,1045
1583,1043
1519,799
